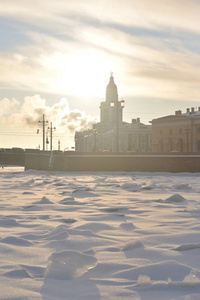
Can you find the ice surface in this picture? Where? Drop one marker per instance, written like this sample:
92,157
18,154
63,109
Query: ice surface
68,265
93,236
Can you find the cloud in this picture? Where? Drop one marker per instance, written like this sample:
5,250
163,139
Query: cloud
156,14
72,46
26,116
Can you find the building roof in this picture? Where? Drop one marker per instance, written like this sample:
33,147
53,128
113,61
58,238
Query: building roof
170,118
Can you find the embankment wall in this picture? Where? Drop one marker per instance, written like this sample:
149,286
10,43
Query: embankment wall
77,162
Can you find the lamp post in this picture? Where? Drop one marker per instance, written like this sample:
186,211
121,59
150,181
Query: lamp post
86,146
95,140
187,130
47,140
43,123
51,128
117,104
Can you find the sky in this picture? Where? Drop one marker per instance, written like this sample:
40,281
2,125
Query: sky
56,58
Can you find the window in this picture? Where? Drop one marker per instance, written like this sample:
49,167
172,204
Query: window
105,116
139,143
198,145
130,142
180,145
161,145
171,145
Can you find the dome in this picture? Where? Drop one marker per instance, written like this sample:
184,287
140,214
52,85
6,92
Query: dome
111,83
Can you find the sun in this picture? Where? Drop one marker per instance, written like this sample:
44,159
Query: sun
84,73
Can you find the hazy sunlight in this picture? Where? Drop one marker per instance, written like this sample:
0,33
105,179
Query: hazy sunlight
84,73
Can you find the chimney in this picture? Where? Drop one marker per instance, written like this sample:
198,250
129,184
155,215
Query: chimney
192,109
134,121
188,110
178,112
138,120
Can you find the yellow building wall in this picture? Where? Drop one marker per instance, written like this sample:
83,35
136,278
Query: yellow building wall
168,138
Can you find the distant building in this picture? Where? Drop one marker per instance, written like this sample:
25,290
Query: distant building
111,133
177,133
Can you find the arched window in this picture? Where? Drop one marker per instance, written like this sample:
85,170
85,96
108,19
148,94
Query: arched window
180,145
198,145
171,145
161,145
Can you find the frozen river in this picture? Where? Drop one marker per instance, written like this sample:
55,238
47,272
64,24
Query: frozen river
99,235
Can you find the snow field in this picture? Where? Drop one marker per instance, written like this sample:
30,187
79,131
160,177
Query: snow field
99,235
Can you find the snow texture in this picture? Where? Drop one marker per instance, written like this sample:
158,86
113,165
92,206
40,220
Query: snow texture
99,235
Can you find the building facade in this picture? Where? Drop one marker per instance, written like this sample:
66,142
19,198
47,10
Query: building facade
177,133
111,133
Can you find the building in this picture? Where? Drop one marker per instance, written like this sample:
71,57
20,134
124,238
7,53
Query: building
177,133
112,133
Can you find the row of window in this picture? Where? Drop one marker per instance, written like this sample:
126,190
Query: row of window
179,146
186,130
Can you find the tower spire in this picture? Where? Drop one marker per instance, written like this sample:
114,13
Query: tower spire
111,90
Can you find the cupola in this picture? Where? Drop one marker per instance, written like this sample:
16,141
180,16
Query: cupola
111,90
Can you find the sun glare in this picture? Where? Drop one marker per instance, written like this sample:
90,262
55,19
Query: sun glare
85,74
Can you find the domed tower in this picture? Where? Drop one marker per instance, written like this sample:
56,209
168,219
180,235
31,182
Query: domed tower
111,109
111,91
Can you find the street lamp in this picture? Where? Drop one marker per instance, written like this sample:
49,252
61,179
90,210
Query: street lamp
51,128
86,137
117,104
43,123
187,131
95,140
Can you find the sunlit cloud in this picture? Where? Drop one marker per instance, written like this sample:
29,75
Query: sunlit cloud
78,45
25,116
155,14
83,72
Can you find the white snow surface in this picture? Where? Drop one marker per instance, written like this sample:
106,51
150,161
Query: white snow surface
99,235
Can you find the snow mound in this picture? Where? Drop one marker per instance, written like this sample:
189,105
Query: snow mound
84,193
17,274
187,247
143,280
58,236
12,240
95,227
147,188
156,272
132,187
29,182
44,200
67,265
67,200
175,198
28,193
58,233
69,221
191,280
9,222
127,226
182,186
132,244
